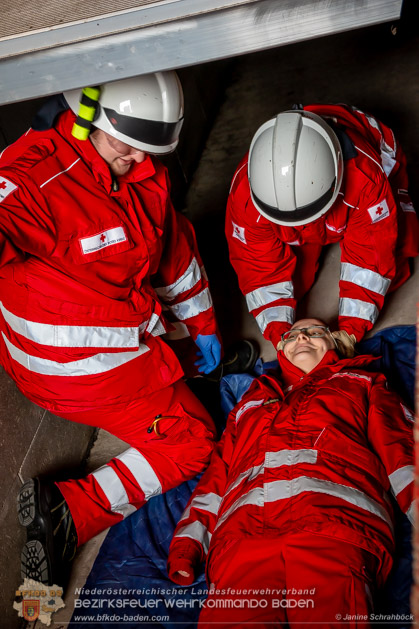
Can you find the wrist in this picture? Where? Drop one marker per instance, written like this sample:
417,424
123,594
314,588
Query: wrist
181,571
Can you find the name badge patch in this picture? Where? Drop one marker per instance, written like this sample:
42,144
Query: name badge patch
379,211
6,187
103,239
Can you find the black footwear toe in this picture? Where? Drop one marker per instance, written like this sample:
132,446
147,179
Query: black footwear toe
51,535
239,358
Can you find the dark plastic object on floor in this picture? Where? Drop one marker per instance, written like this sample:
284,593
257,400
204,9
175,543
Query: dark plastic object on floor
133,555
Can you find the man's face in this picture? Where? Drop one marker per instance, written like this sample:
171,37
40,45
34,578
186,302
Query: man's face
118,155
306,352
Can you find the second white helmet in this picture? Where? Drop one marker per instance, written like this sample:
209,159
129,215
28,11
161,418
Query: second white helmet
295,168
145,111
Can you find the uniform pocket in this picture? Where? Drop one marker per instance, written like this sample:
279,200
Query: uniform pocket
176,427
99,242
338,447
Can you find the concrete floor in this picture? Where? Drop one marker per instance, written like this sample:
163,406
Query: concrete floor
368,68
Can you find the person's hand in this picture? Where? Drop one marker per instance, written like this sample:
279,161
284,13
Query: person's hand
181,570
345,343
209,355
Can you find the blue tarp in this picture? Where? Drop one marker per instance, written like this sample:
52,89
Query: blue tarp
128,584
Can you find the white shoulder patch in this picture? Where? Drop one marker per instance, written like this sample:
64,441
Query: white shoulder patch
238,232
246,406
6,187
379,212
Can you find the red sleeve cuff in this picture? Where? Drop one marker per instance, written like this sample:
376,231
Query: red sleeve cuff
184,554
357,327
184,564
275,330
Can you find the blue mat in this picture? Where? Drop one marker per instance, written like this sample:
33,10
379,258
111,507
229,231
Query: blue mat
128,584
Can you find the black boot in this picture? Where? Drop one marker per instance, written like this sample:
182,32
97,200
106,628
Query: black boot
51,535
240,357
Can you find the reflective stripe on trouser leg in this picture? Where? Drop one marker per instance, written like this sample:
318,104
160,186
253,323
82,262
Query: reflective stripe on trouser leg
151,466
110,493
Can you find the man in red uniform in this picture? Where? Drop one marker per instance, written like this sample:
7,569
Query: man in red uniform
93,256
293,513
315,176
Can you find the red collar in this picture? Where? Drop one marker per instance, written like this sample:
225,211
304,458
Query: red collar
291,374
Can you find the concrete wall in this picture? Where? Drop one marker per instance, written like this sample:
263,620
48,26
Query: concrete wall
32,440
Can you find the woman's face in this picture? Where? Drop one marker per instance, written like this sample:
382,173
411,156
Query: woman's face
306,352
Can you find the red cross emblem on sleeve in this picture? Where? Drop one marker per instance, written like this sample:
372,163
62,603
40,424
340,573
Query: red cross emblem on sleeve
6,187
379,212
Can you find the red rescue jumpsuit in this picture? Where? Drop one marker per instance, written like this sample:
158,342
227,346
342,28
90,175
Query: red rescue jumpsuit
293,510
87,267
373,218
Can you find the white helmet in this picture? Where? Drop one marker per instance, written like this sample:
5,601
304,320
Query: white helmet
295,168
145,111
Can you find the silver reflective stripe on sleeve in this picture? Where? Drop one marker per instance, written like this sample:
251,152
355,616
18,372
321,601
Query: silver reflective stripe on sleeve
206,502
387,153
267,294
247,406
407,413
198,532
364,277
100,363
193,306
72,335
253,497
401,478
278,313
142,471
357,308
249,474
154,326
185,282
410,513
114,490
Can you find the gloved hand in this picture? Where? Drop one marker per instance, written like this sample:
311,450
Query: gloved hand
209,354
345,343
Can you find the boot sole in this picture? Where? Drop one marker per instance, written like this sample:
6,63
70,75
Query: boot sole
26,504
34,563
35,560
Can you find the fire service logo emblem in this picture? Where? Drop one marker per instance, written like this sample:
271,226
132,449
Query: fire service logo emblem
31,609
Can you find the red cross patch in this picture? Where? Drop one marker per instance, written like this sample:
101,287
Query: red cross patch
6,187
379,212
238,232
